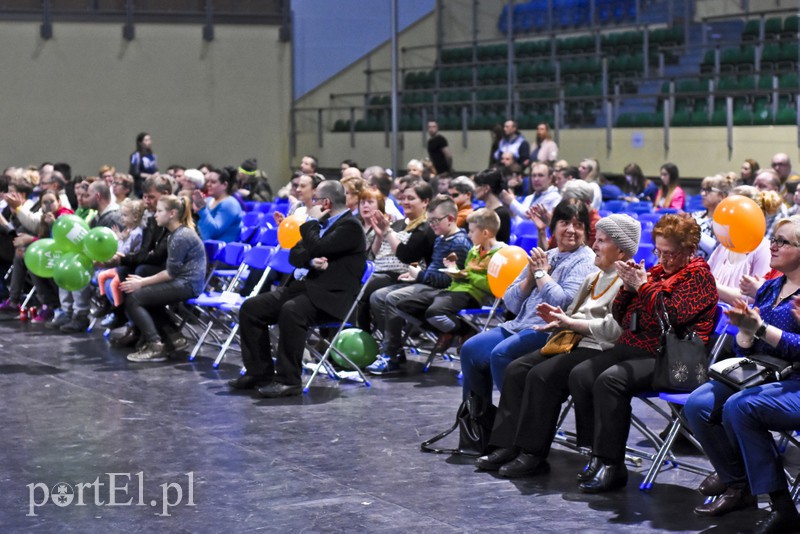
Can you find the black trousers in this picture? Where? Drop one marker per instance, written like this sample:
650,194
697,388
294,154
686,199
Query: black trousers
534,389
602,389
293,311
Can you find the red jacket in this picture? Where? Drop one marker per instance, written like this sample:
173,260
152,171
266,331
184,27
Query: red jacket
690,298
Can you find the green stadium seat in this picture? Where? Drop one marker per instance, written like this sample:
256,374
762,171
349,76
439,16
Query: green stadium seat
788,81
681,118
719,117
699,118
751,30
773,27
742,117
786,116
762,117
791,25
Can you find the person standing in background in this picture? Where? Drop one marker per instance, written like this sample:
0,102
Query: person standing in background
438,149
143,162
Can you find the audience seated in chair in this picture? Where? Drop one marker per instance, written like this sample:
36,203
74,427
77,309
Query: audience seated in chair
220,215
182,279
536,385
553,277
734,426
332,251
417,287
469,287
602,387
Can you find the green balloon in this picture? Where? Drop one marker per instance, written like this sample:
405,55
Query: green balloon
41,257
71,274
68,257
359,346
69,231
100,244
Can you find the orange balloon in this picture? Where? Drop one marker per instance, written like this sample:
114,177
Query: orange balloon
505,266
739,224
289,231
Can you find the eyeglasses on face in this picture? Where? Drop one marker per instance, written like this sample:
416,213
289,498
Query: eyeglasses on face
666,255
780,242
710,190
437,220
779,163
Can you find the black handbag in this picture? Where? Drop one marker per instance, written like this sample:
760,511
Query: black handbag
474,420
681,365
743,373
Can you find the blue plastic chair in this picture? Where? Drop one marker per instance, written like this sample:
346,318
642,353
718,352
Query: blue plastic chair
267,236
644,206
279,261
369,269
645,253
676,402
215,305
615,206
252,219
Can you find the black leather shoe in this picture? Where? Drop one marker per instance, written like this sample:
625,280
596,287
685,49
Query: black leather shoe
128,337
274,390
590,469
495,460
524,465
734,498
712,486
779,522
607,478
247,382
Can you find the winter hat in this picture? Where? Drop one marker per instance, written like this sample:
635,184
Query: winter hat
623,230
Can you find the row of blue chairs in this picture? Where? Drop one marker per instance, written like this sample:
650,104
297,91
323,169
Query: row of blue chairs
693,203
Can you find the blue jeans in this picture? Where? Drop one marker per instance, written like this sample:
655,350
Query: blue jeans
485,357
734,429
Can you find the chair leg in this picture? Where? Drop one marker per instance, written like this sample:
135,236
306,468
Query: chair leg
665,449
226,345
200,341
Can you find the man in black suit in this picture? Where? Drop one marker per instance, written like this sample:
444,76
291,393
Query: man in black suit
332,256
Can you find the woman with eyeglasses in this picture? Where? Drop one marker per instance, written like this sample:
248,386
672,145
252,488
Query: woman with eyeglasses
735,427
730,267
714,189
602,387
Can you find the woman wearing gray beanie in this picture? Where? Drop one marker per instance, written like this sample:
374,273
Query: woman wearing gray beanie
536,385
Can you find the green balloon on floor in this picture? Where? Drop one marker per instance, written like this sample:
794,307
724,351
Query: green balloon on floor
359,346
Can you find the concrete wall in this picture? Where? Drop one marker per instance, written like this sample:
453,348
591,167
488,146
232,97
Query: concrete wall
717,8
83,96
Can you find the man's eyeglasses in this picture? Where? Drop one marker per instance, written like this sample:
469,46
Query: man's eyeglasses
779,163
779,242
318,199
710,190
437,220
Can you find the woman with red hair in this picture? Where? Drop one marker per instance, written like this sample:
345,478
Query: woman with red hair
602,387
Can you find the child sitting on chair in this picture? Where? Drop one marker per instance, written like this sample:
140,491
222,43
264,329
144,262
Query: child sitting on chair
418,287
470,286
130,241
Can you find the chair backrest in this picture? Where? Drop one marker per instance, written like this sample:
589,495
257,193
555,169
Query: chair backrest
252,218
641,207
264,207
280,262
259,257
267,236
233,253
645,253
213,249
369,269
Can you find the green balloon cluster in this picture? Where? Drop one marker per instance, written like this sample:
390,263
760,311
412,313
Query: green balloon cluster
359,346
67,258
